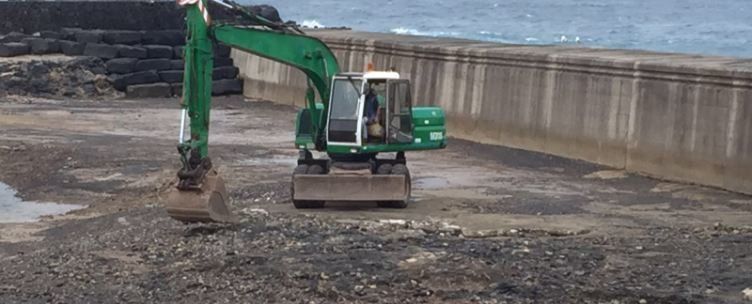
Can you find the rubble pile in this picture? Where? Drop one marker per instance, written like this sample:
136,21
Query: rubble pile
59,76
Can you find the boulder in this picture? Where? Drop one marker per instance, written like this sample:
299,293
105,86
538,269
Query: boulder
221,50
120,82
13,37
121,65
72,48
40,46
51,35
178,50
69,33
104,51
227,86
175,76
225,72
158,51
131,51
89,36
222,61
158,64
12,49
121,37
267,11
152,90
177,64
165,37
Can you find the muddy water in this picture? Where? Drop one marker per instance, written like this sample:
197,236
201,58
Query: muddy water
15,210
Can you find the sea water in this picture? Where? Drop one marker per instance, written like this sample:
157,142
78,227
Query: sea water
711,27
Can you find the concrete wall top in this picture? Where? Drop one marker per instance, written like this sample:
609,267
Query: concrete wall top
671,66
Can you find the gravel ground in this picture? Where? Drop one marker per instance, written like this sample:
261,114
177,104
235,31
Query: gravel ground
487,224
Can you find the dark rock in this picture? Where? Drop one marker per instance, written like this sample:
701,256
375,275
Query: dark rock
13,37
227,86
178,50
13,49
153,90
72,48
89,36
267,11
221,50
177,89
40,46
120,82
177,64
51,35
121,37
121,65
69,33
158,51
171,76
225,72
222,61
159,64
131,51
104,51
165,37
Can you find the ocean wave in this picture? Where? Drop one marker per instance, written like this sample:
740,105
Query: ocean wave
414,32
311,24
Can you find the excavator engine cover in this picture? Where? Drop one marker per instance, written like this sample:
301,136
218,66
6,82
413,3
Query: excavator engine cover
206,204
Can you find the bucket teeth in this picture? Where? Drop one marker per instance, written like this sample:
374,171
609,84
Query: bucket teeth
208,204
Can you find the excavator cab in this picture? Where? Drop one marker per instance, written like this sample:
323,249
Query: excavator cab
369,113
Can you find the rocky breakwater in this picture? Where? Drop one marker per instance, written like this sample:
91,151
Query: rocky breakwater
139,63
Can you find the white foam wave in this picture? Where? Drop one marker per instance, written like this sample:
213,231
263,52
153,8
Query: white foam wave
414,32
311,24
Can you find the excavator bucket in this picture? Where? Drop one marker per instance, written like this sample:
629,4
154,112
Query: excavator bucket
207,204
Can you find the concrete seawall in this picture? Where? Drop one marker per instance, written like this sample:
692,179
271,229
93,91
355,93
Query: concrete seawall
674,116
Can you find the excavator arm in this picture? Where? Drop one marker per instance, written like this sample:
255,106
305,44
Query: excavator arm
200,193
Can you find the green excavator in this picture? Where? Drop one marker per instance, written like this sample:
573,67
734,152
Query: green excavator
352,117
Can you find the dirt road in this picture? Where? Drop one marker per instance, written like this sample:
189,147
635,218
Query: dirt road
487,224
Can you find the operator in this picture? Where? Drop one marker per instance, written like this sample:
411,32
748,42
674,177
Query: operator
372,111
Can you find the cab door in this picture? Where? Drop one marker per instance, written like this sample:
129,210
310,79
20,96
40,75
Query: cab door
399,112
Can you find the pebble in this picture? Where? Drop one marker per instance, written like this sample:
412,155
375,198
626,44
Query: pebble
747,293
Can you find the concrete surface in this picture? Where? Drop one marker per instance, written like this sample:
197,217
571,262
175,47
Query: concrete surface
673,116
487,224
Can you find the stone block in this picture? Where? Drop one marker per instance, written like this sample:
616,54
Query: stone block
225,72
175,76
165,37
227,86
121,82
157,64
72,48
39,46
69,33
89,36
51,35
121,37
222,61
158,51
13,37
152,90
121,65
177,64
12,49
129,51
104,51
221,50
178,51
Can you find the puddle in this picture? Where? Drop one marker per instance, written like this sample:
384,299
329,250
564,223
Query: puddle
14,210
431,183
